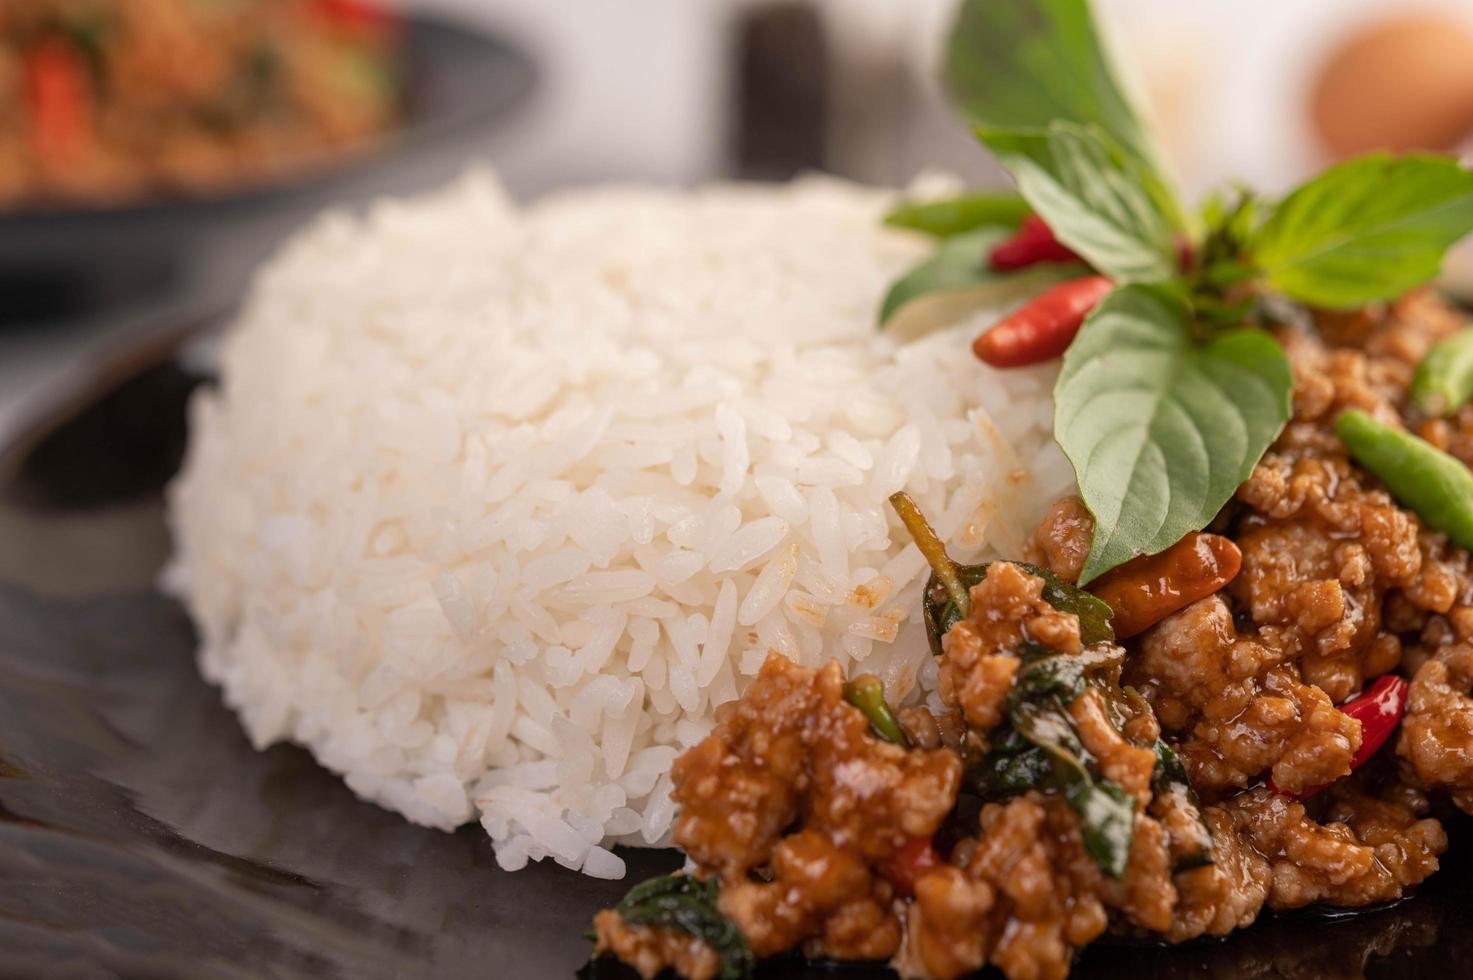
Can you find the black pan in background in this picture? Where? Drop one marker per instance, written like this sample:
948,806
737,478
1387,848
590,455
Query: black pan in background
142,836
72,260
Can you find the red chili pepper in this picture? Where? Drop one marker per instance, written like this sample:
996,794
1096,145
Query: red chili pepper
910,862
1379,709
56,94
1186,254
1044,327
361,18
1032,243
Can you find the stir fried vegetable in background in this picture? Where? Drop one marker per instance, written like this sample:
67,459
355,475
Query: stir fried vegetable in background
103,113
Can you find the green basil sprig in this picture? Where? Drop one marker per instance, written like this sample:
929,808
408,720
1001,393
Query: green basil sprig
1160,425
1167,398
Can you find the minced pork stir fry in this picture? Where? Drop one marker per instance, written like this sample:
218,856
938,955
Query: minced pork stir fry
1232,674
1172,783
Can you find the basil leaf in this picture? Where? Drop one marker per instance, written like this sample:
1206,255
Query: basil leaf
1040,751
1023,64
960,276
958,215
1060,675
1366,230
1106,821
1106,811
1162,430
1171,787
688,905
1094,613
1093,197
1012,768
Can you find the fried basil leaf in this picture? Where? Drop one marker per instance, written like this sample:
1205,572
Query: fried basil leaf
1063,675
1171,787
1012,767
1106,821
1106,811
688,905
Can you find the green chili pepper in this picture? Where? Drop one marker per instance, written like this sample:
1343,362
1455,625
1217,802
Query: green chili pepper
959,215
867,693
1436,486
1444,379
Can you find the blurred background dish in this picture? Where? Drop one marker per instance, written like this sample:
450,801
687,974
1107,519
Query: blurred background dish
186,217
109,101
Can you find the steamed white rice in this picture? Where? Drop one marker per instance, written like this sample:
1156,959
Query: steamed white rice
494,505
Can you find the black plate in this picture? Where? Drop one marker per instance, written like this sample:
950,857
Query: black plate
140,835
61,261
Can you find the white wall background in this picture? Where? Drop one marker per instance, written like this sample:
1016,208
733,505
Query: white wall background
628,89
638,88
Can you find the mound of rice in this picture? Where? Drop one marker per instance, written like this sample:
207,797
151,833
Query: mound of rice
494,505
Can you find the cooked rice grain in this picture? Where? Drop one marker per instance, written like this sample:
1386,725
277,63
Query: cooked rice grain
494,505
